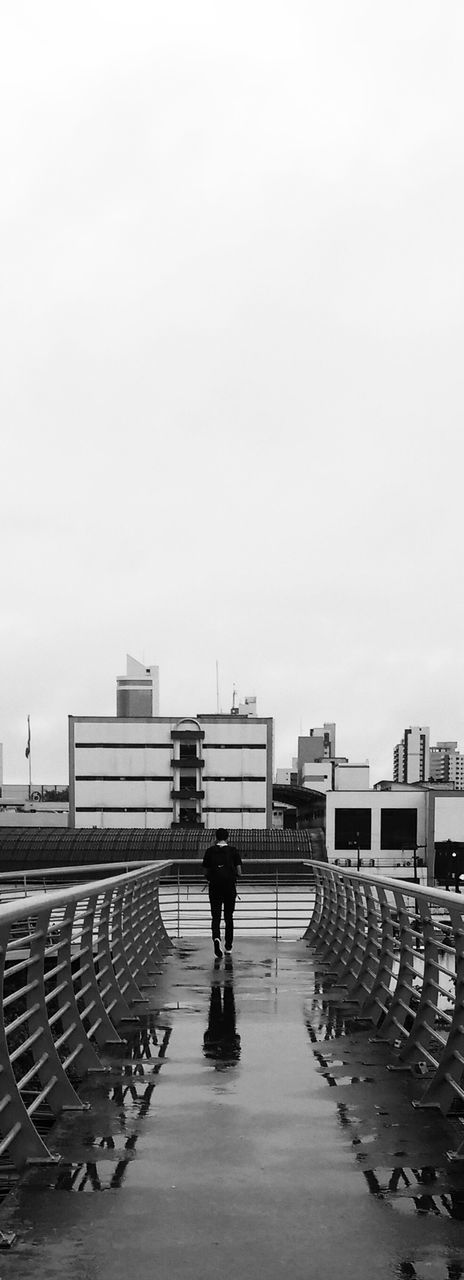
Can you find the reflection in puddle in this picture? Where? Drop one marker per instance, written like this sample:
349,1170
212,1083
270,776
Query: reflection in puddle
221,1041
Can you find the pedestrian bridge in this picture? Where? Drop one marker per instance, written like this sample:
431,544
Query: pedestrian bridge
292,1110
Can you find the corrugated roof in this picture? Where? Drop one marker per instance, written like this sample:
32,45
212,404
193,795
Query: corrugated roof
50,846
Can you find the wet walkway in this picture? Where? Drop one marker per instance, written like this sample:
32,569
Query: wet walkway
251,1130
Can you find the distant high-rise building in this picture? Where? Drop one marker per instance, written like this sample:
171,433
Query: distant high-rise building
137,693
447,765
411,756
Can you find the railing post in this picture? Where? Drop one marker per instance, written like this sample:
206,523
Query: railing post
277,905
445,1087
178,901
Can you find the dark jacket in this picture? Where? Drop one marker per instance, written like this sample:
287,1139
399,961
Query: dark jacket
220,864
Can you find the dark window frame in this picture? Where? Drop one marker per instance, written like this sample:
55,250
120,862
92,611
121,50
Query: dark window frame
353,828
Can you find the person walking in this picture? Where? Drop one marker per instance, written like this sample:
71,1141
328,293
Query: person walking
222,865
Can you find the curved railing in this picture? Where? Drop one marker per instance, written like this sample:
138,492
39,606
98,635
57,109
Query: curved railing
397,950
72,964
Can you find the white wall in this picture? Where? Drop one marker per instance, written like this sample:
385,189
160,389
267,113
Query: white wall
283,777
449,818
351,777
376,801
317,776
110,777
40,818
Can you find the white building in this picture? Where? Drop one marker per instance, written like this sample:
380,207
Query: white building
411,762
162,771
457,770
447,764
286,777
335,775
384,826
36,806
137,693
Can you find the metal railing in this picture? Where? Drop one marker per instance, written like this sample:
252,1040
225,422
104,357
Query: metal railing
72,962
397,950
274,901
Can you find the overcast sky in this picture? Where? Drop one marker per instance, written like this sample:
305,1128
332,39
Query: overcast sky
232,364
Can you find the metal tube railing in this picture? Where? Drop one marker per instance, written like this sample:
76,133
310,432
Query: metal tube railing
71,964
402,964
274,902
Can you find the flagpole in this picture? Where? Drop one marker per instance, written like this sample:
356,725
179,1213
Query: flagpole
28,754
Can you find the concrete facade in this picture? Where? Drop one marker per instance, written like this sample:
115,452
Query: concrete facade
447,816
411,756
207,770
137,693
318,745
377,816
447,764
335,775
39,806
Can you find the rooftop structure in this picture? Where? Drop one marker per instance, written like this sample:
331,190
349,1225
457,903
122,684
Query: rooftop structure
137,693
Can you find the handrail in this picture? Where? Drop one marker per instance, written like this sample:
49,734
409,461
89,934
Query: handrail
273,901
72,870
72,965
397,950
35,901
21,873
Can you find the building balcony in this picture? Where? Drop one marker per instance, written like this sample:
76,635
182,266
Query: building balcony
187,735
186,793
187,762
191,825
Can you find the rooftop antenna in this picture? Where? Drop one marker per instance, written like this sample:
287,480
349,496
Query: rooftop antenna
217,686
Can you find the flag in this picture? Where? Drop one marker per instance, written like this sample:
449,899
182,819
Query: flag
28,744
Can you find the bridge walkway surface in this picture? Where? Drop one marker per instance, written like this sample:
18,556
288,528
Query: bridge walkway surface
250,1129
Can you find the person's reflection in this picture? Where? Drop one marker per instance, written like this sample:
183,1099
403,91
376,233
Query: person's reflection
221,1040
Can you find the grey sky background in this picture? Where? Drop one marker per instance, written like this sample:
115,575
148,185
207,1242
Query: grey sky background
232,364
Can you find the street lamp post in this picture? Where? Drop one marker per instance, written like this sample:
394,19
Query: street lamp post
354,844
413,848
455,866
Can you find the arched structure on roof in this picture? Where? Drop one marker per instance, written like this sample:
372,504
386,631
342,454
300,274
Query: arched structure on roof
300,797
35,847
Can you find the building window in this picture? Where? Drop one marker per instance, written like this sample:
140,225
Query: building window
353,828
113,777
189,818
188,783
234,746
398,829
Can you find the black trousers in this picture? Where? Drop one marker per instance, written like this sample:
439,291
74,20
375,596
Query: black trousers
222,898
